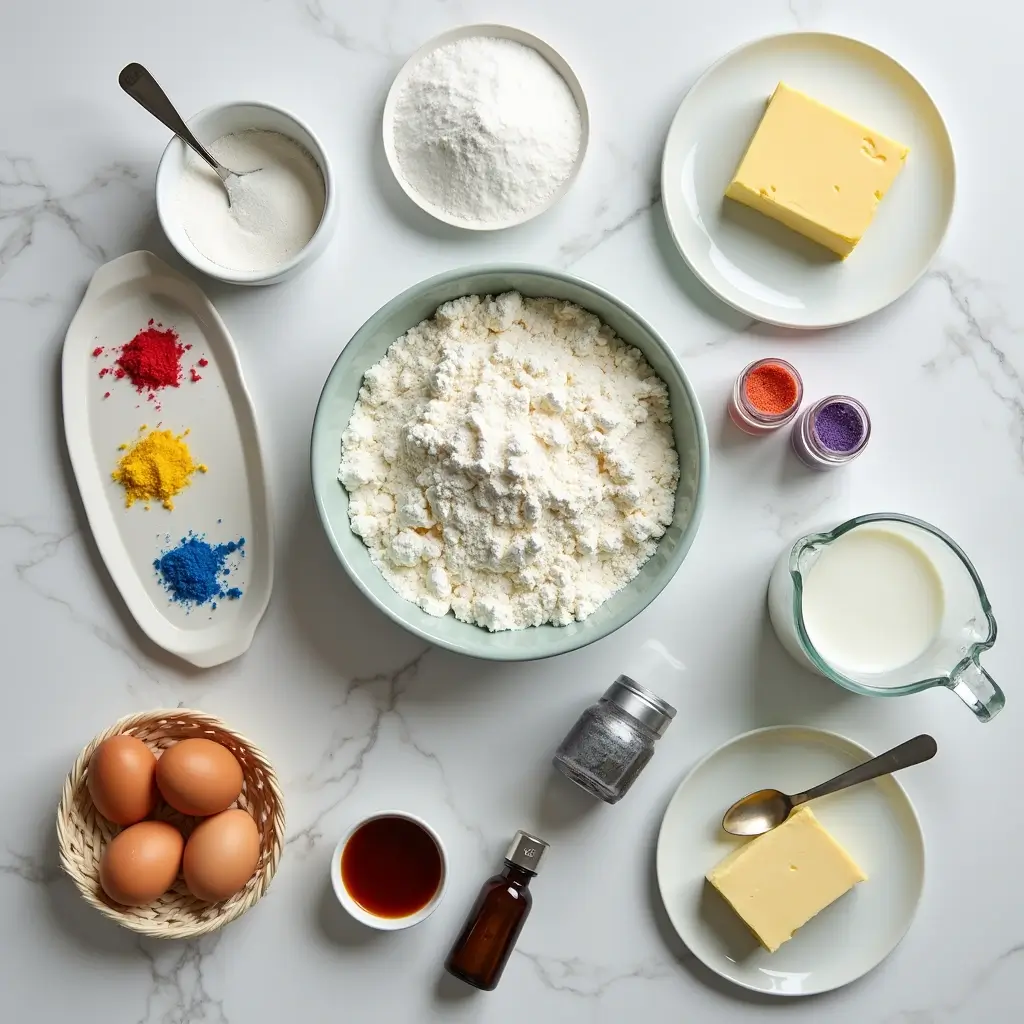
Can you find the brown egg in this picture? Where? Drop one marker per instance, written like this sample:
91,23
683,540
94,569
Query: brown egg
120,779
141,863
199,777
221,855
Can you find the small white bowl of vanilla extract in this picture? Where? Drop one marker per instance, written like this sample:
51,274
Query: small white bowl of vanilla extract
390,870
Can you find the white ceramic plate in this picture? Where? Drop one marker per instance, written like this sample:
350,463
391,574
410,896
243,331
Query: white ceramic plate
757,265
552,56
875,822
227,502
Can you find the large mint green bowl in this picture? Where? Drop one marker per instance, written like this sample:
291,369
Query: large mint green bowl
368,346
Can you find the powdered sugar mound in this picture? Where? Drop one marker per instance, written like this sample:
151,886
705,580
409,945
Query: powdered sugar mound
510,460
486,129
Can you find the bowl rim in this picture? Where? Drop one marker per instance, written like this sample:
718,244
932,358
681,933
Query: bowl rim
492,30
247,277
568,644
387,924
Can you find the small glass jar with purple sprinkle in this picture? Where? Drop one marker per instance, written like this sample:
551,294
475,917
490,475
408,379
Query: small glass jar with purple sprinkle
831,432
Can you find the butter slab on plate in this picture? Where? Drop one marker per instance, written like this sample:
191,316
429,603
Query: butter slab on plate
759,266
780,880
874,822
816,170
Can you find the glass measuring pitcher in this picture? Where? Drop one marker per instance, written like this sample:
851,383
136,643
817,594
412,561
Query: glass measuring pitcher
942,612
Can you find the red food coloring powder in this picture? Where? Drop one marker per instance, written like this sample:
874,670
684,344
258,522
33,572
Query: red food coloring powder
97,351
152,359
204,362
771,389
195,376
106,394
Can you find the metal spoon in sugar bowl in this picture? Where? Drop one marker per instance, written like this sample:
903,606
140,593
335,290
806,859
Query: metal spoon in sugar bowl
146,91
761,811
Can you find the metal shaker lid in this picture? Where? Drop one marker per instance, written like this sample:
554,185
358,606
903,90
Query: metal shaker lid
641,703
526,851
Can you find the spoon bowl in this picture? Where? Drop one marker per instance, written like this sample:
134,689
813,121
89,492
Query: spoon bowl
757,813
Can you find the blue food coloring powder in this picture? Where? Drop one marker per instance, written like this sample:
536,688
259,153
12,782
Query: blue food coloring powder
193,572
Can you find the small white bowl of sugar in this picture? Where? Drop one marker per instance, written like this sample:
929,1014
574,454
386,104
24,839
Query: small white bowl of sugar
281,214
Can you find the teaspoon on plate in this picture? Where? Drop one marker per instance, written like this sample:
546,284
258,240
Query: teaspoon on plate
762,811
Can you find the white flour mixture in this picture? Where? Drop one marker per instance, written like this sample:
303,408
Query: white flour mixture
486,129
510,460
274,211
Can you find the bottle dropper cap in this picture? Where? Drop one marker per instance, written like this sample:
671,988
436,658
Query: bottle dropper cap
526,851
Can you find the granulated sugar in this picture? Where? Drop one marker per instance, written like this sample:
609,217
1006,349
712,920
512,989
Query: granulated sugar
274,211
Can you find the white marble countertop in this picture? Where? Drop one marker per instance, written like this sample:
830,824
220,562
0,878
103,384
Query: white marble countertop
356,714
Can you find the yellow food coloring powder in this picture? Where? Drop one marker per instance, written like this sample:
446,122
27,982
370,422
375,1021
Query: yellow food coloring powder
156,468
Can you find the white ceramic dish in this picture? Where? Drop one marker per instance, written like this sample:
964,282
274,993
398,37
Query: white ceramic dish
209,125
227,502
875,822
757,265
387,924
552,56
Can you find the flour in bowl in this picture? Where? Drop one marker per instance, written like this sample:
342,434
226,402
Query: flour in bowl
510,460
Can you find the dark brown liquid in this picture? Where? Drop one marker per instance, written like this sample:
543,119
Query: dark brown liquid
489,935
391,867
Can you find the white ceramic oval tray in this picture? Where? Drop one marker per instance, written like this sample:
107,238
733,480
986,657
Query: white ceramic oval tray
517,35
226,503
875,822
762,268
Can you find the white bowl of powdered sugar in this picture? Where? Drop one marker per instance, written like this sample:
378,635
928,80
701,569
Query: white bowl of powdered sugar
485,127
509,462
273,220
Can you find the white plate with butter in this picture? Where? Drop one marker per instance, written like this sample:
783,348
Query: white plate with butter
756,264
875,823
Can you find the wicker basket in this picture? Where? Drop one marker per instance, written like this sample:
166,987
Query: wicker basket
83,833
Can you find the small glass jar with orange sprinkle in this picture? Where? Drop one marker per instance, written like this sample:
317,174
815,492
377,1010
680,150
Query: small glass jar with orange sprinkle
766,396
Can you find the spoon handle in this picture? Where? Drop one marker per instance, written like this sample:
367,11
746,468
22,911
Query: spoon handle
143,88
920,748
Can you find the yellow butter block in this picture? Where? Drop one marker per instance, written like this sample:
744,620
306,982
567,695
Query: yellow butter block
780,880
816,171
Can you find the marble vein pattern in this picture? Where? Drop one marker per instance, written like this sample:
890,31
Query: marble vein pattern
982,335
25,199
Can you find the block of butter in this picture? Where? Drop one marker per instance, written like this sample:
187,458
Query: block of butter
780,880
815,170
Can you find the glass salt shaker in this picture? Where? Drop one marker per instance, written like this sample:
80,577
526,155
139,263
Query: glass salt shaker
614,739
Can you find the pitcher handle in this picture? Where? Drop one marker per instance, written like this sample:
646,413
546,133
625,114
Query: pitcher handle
977,689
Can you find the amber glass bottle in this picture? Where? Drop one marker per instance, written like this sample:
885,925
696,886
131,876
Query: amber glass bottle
490,932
